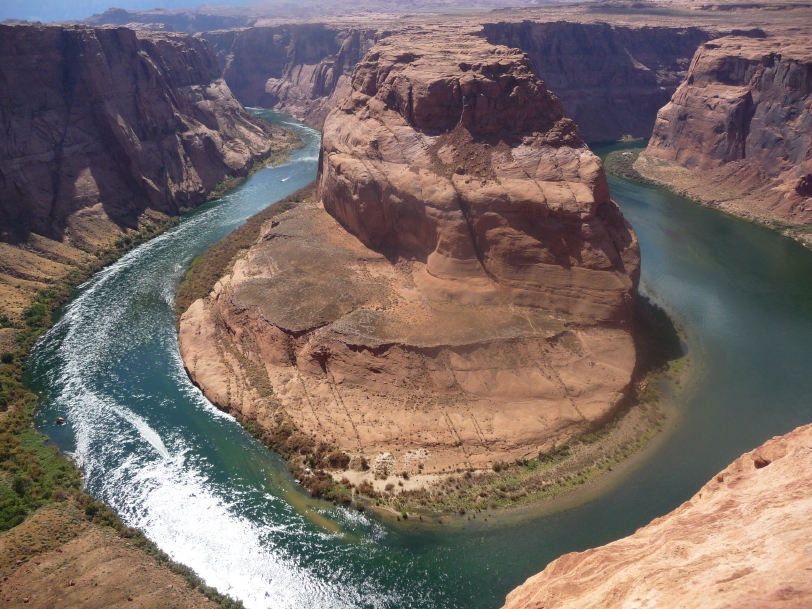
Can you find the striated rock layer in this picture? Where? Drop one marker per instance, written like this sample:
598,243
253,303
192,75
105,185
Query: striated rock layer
460,294
101,124
611,79
301,69
738,131
742,541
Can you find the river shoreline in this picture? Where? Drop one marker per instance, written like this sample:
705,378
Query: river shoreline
628,163
53,481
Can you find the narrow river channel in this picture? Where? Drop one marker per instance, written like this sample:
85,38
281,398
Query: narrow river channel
209,495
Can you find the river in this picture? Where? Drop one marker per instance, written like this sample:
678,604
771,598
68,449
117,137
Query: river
152,447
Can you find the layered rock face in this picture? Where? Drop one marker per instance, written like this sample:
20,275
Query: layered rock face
461,293
611,79
103,123
469,165
742,541
303,70
738,131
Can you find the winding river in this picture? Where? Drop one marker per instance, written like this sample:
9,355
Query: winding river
167,461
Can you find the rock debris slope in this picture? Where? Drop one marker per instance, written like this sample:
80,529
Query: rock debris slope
101,124
738,131
461,293
742,541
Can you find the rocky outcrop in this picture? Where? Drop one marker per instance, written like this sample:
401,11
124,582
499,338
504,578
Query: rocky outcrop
102,124
738,131
611,79
462,292
742,541
303,70
470,165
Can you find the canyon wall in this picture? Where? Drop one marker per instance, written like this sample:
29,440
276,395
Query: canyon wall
611,79
461,291
742,541
738,131
102,124
303,70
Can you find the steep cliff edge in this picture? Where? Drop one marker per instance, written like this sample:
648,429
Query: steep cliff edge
102,124
738,132
742,541
108,134
303,69
611,79
461,294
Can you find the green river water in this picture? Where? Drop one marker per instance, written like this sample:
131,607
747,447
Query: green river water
168,462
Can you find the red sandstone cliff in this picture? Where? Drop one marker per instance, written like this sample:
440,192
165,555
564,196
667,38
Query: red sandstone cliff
742,541
468,163
103,123
461,295
738,131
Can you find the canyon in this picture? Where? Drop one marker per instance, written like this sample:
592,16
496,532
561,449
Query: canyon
108,131
737,134
468,281
612,65
458,293
611,79
742,541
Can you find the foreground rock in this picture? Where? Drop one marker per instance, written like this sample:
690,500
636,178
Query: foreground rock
460,295
738,132
58,559
741,541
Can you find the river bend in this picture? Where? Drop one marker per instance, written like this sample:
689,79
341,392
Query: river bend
152,447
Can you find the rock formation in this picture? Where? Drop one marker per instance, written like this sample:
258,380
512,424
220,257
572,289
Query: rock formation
101,124
303,70
461,295
742,541
611,79
738,131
